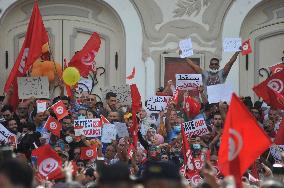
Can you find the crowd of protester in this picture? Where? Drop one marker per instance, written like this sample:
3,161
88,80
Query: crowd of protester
158,159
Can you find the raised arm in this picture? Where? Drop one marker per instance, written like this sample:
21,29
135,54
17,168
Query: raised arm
195,67
229,65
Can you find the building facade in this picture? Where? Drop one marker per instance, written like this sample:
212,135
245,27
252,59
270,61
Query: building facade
145,33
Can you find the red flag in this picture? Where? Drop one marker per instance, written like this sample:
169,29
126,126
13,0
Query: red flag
136,105
132,75
275,99
36,39
246,47
279,138
59,110
185,146
130,151
84,60
88,153
48,162
104,120
191,107
240,146
175,96
53,126
274,82
276,68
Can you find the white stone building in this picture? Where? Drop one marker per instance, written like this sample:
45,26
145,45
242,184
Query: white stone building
145,33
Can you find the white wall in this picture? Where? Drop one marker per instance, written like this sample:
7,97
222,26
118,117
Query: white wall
231,28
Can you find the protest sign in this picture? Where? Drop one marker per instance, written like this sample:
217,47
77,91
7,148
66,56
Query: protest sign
219,92
91,128
157,103
41,106
276,151
121,129
195,127
122,91
5,135
108,133
188,81
84,85
186,48
37,87
232,44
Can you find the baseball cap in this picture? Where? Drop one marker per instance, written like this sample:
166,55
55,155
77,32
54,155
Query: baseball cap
160,170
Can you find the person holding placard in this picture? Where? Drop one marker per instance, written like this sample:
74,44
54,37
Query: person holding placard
214,75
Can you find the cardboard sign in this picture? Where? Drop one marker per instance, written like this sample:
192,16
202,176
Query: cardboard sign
84,85
157,103
276,152
186,48
123,93
219,92
121,129
109,133
188,81
37,87
195,127
5,134
232,44
91,128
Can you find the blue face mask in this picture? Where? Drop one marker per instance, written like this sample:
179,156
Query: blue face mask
196,146
81,117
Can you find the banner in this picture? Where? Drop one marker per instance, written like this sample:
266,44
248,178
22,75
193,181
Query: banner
109,133
91,128
195,127
188,81
121,129
157,103
37,87
186,48
232,44
5,134
219,93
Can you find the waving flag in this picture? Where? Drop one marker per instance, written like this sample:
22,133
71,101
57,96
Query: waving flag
246,47
48,162
59,109
276,68
53,126
240,146
84,60
136,105
36,40
88,153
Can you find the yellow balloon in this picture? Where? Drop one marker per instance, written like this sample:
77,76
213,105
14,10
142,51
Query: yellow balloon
71,76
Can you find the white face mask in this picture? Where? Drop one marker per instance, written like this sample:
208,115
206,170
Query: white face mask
68,139
213,71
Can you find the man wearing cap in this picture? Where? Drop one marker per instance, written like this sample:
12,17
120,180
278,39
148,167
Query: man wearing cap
161,175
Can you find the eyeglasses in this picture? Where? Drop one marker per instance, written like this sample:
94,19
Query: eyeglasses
90,99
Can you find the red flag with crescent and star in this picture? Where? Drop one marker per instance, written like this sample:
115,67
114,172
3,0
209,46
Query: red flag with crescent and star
84,60
53,126
59,109
36,40
246,47
240,146
276,68
49,163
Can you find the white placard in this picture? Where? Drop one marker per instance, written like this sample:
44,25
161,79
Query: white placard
122,91
84,85
108,133
219,93
188,81
121,129
41,106
186,48
232,44
5,134
91,128
37,87
157,103
195,127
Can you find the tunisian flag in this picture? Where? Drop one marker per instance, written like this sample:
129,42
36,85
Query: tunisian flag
36,39
191,107
48,162
136,105
84,60
240,146
53,126
59,109
88,153
275,82
276,68
246,47
276,99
